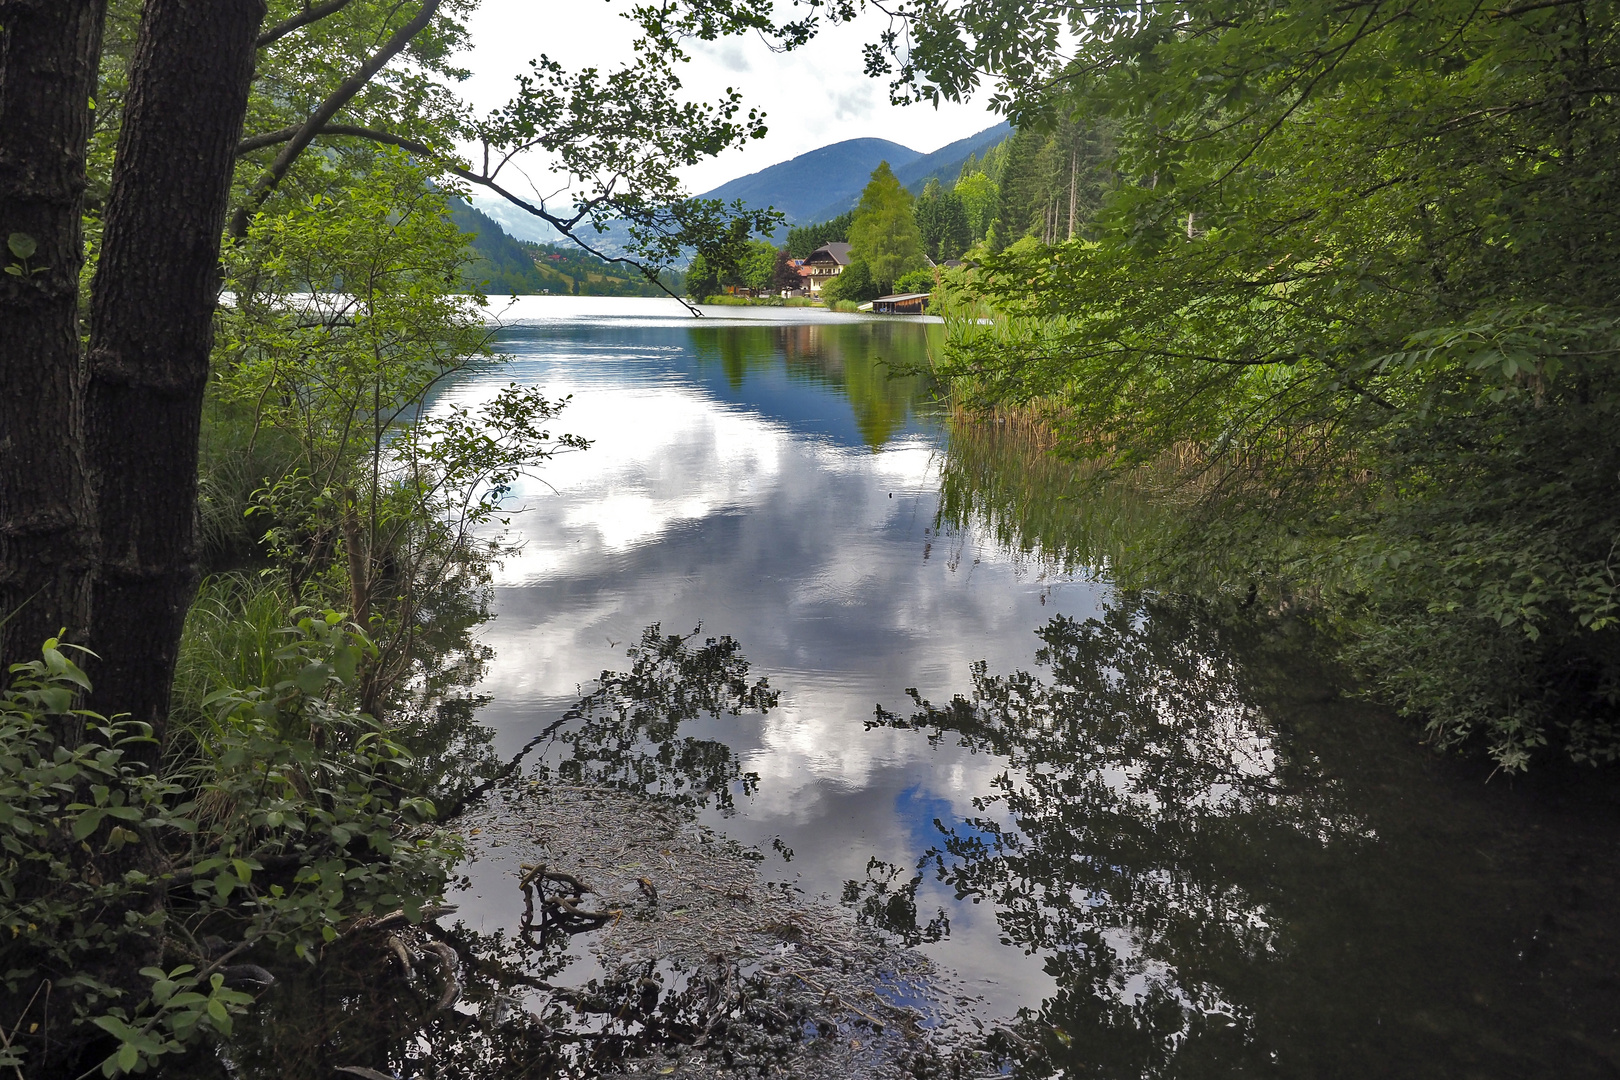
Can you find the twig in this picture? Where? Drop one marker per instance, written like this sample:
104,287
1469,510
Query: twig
43,984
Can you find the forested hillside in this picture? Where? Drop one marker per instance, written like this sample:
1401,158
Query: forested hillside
504,266
801,186
564,269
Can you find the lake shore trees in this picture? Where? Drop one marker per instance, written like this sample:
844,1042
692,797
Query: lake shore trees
148,154
1357,274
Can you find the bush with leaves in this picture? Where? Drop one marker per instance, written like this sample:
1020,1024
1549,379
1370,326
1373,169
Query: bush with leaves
854,284
1390,366
127,891
346,324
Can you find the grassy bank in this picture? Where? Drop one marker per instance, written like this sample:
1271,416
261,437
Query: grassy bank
761,301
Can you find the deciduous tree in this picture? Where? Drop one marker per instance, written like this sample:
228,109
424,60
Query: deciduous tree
884,232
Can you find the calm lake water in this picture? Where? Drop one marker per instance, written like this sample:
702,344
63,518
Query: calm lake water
1172,840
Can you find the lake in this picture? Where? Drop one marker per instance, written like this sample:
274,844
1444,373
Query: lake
1168,838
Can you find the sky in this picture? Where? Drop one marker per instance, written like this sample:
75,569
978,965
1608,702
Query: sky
812,97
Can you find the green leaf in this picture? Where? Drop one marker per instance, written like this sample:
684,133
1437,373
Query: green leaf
87,823
311,679
22,245
224,884
128,1057
115,1027
345,662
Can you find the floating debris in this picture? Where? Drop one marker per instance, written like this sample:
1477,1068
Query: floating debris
706,968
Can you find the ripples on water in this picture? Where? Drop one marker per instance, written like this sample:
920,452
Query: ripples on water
1166,838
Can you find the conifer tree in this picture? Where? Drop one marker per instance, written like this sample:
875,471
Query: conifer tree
884,234
943,222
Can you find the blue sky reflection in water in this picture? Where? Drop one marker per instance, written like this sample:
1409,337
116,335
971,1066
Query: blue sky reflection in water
765,478
1228,870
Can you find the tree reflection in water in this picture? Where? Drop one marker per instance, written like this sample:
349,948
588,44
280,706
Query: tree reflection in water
627,734
403,999
1229,872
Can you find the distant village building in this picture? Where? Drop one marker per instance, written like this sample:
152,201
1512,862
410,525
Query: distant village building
826,263
803,288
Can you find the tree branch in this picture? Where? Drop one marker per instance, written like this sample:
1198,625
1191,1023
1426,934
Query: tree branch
299,21
329,108
565,226
1521,9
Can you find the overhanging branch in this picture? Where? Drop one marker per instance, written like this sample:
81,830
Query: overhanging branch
329,108
565,226
299,21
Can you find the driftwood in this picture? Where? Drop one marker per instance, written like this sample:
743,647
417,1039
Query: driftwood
560,910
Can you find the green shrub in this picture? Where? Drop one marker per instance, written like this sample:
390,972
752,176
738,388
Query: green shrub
112,873
855,283
917,281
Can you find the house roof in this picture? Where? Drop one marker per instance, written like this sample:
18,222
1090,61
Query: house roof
903,296
837,252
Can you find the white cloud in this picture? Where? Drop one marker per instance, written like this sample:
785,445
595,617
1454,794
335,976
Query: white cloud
853,104
791,88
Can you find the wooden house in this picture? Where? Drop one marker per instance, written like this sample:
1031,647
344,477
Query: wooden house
911,303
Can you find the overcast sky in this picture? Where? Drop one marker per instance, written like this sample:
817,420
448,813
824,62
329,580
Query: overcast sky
813,96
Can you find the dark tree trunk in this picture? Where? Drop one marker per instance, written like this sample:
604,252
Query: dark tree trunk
151,328
49,53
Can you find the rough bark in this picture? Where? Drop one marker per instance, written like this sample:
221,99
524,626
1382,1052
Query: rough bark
151,330
49,53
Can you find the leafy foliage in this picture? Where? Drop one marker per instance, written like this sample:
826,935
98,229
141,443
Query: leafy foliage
112,872
341,332
884,233
855,284
943,222
750,265
1376,362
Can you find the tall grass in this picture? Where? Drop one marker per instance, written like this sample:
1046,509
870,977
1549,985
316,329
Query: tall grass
1001,471
233,632
237,460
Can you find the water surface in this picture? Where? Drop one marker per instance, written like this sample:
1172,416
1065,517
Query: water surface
1170,840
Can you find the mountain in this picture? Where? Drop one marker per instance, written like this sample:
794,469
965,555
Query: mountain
800,186
502,266
519,224
816,186
943,164
506,266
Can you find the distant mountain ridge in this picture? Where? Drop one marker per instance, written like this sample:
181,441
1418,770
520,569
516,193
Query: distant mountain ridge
803,185
945,163
815,186
824,183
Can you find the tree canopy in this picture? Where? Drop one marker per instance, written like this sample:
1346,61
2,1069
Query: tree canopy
884,233
943,222
1360,265
804,239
